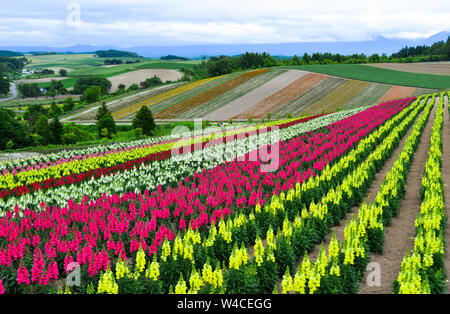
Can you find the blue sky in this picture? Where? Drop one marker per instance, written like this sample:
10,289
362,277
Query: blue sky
175,22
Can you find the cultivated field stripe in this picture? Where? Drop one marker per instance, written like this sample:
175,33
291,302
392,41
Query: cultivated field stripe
250,99
180,108
300,103
274,101
230,96
399,235
159,98
397,92
367,96
446,178
338,97
192,93
369,196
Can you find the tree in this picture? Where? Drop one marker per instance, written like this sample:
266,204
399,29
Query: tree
306,58
84,83
4,85
68,104
133,87
92,94
63,72
56,128
42,128
105,120
12,130
144,120
33,113
55,110
121,87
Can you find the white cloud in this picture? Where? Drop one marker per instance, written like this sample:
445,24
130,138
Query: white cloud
137,22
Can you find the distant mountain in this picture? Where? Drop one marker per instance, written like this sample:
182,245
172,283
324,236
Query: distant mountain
378,45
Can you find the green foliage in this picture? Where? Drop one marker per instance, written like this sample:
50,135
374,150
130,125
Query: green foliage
29,90
105,121
137,133
68,104
56,129
151,82
63,72
144,120
4,85
116,53
84,83
42,128
92,94
11,130
133,87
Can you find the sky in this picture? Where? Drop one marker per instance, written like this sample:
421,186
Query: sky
128,23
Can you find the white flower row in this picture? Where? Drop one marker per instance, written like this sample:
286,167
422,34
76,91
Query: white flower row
167,171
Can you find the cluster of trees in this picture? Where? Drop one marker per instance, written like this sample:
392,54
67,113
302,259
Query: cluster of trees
216,66
112,61
36,129
111,53
143,122
33,90
8,64
172,57
7,53
119,61
151,82
4,85
438,51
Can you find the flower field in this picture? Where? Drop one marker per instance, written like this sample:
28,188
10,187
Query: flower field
227,211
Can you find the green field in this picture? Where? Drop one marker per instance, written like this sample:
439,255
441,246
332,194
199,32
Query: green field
86,65
378,75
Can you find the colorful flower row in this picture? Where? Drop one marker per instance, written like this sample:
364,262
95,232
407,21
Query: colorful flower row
347,261
90,225
165,172
423,270
242,275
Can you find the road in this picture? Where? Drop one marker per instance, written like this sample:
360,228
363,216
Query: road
13,89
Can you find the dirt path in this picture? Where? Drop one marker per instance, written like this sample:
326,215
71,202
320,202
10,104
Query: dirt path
369,197
446,177
399,235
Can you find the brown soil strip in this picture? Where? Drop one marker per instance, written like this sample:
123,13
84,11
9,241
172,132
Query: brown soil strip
446,178
399,235
397,92
271,103
438,68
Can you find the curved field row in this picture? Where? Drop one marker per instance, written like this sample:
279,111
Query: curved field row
159,98
123,103
368,95
232,95
252,98
184,106
438,68
338,97
274,101
161,106
397,92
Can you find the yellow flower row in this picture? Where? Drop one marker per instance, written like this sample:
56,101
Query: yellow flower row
429,237
84,165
